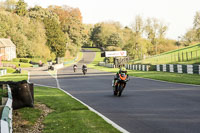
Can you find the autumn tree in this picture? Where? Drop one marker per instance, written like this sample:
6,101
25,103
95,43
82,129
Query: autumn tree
21,8
193,35
155,30
196,26
103,33
71,24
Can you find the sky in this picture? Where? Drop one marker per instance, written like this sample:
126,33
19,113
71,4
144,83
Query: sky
178,15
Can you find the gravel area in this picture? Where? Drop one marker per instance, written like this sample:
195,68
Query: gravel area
23,126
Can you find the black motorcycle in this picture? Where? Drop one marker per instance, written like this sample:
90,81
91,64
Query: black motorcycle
84,70
74,67
120,84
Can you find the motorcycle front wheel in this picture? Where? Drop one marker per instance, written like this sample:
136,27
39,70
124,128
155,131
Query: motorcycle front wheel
120,89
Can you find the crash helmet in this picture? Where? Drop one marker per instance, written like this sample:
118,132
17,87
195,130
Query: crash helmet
123,70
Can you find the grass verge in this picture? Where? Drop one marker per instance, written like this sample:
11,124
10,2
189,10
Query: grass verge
15,76
164,76
22,65
80,55
30,115
69,115
97,59
93,49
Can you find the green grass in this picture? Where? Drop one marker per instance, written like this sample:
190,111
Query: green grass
69,115
22,65
80,55
15,76
97,59
9,69
29,114
164,76
3,93
187,55
93,49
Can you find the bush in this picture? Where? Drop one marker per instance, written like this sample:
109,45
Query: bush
16,60
25,60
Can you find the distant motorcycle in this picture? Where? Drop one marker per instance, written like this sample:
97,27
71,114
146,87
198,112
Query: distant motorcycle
120,84
84,70
75,68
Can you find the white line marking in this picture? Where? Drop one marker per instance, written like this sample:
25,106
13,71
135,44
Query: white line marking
101,115
28,76
93,110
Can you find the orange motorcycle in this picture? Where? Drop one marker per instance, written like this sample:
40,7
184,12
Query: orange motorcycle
120,84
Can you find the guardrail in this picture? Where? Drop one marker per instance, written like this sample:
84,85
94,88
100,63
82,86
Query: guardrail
177,68
3,72
128,66
6,118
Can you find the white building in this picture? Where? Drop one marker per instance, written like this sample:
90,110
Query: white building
7,49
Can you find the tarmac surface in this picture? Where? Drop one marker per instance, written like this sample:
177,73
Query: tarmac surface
146,106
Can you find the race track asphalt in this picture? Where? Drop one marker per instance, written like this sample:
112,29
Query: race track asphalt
146,106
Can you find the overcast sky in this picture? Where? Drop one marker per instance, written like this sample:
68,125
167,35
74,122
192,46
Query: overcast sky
177,14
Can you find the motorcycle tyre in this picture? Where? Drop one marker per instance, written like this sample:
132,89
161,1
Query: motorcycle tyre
115,91
120,89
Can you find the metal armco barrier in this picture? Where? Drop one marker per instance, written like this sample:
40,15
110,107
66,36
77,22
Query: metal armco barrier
6,118
128,66
177,68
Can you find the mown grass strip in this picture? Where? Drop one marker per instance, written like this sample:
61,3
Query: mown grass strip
97,59
69,115
93,49
80,55
15,76
22,65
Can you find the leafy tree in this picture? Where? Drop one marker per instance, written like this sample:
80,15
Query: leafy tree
40,13
71,24
9,5
155,30
114,39
28,35
55,37
190,37
196,26
102,32
21,8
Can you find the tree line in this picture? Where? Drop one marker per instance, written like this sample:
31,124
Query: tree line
42,32
58,31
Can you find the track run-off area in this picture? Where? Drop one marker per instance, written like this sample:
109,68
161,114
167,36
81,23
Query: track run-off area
146,106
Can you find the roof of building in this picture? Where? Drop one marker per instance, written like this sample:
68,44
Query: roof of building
4,42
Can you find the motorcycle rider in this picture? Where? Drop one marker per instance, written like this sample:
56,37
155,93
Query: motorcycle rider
122,70
74,67
84,67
